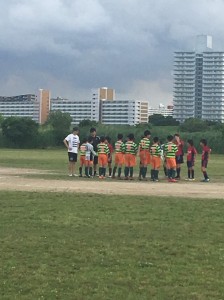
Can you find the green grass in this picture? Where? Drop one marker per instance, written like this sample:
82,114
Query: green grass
71,246
56,161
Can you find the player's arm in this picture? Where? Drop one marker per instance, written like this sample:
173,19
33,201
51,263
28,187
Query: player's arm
66,143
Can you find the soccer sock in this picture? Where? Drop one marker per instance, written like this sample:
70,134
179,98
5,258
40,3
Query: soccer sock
110,171
86,171
131,171
205,174
80,170
152,174
91,171
189,173
178,172
95,172
119,172
100,171
126,171
192,174
144,171
173,172
169,172
156,172
165,171
114,171
104,172
140,172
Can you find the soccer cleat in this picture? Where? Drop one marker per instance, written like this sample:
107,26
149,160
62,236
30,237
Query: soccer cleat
80,175
187,179
192,179
172,180
205,180
70,175
100,177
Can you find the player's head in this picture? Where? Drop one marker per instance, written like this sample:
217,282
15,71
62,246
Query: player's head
102,139
92,131
90,139
203,142
131,137
170,138
85,139
120,136
190,142
156,139
147,133
108,139
75,130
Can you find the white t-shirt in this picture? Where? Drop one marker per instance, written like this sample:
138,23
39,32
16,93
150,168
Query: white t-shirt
73,143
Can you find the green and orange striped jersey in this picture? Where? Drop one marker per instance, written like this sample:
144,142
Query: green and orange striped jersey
170,150
144,144
130,148
119,147
82,149
102,148
155,150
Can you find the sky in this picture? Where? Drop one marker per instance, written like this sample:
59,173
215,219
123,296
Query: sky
73,46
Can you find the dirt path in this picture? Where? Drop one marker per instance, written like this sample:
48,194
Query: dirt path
16,179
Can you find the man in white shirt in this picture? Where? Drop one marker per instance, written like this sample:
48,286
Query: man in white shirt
72,142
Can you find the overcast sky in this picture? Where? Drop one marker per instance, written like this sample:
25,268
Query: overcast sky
72,46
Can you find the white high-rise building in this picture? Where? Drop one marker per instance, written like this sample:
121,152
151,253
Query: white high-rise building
199,82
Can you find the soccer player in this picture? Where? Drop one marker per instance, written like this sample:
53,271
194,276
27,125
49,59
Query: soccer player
155,151
170,150
144,154
82,157
72,142
89,158
96,141
204,159
119,155
191,154
179,154
109,161
130,150
103,152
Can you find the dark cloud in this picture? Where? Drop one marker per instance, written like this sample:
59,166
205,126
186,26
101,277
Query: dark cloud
72,46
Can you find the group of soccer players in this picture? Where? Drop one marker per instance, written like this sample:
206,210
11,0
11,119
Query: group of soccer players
98,151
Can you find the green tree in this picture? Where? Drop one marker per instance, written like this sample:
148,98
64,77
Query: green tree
87,122
60,123
194,125
20,132
161,120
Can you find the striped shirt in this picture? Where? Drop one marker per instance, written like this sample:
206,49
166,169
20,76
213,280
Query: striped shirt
82,149
102,148
156,150
144,144
170,150
119,147
130,148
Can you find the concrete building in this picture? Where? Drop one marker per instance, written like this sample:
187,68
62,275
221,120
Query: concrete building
199,82
161,110
28,105
78,110
126,112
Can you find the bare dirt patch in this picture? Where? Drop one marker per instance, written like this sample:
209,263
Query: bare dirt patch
15,179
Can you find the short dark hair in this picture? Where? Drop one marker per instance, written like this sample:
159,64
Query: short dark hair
131,136
120,136
75,129
170,138
90,139
190,142
147,132
155,139
203,141
108,138
177,134
102,139
92,129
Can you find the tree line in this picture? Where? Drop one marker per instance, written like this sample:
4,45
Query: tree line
22,132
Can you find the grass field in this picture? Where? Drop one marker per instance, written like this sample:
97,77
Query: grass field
56,161
70,246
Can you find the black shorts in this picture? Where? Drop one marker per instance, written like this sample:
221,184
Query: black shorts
179,159
72,157
190,164
204,163
95,160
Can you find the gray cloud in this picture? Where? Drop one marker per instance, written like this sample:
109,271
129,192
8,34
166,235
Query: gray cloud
72,46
